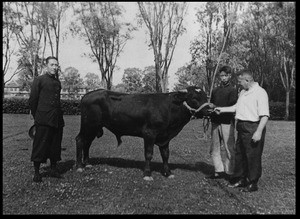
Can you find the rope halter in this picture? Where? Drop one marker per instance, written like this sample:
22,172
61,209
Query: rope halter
206,119
193,110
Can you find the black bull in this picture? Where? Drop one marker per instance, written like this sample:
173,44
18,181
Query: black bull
157,118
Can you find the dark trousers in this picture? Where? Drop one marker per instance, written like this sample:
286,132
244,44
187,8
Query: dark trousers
47,144
248,160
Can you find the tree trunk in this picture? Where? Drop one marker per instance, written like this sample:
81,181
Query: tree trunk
158,79
287,104
3,83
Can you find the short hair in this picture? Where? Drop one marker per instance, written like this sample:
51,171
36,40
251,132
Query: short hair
246,72
226,69
50,57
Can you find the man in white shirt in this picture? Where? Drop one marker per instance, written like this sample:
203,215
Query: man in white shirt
252,114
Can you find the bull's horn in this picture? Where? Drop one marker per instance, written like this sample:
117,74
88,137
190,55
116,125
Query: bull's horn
198,90
183,91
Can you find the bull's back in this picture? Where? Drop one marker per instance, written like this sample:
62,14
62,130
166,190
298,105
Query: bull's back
130,114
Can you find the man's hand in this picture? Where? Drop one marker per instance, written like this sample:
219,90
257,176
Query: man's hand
211,105
217,110
256,136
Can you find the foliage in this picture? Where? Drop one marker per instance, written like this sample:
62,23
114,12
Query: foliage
137,81
20,106
277,111
71,81
92,81
132,80
70,107
119,88
190,75
15,106
149,80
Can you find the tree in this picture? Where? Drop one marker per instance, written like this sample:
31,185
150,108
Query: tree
212,48
204,48
71,81
269,29
33,22
8,27
148,80
283,23
164,23
190,75
51,15
132,80
92,81
104,33
29,31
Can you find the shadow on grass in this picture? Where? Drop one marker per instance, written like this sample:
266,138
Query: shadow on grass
66,166
155,166
63,167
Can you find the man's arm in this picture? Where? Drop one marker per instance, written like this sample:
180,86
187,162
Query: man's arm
262,124
34,97
227,109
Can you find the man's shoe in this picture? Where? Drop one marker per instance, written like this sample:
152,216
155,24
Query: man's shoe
216,175
37,178
55,174
252,187
240,183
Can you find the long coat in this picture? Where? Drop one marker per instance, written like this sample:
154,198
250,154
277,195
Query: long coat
44,101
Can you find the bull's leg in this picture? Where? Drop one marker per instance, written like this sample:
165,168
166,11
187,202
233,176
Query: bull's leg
148,150
164,152
82,148
79,151
86,156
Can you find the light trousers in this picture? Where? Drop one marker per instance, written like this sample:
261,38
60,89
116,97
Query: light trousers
223,148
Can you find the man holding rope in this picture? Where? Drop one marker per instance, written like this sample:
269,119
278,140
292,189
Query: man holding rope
252,114
222,130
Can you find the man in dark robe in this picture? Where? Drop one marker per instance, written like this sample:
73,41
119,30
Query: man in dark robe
45,107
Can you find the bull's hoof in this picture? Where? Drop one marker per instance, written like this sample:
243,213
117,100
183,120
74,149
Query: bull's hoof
171,176
148,178
80,170
88,166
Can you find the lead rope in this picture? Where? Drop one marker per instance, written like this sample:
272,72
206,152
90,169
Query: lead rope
206,119
205,123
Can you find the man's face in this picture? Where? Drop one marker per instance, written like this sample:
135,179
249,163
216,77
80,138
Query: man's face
224,77
242,81
52,66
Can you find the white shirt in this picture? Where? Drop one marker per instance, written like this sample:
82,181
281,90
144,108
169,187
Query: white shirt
252,104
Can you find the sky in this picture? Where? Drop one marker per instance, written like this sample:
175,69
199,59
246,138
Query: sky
136,53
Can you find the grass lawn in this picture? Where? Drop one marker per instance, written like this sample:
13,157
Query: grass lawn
115,185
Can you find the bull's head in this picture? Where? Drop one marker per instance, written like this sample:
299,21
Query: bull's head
196,101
